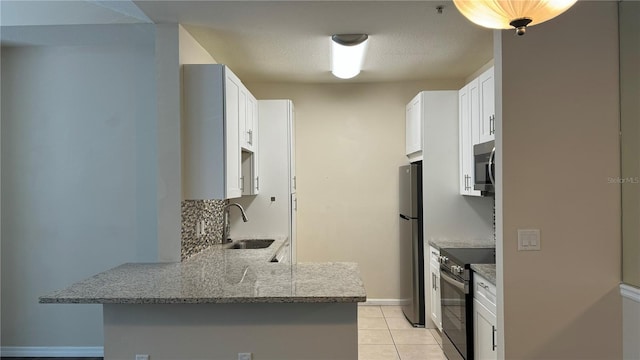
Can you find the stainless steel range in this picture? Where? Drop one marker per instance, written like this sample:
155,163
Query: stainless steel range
456,280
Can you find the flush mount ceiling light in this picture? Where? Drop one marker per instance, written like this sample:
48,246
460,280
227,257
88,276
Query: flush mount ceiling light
347,54
505,14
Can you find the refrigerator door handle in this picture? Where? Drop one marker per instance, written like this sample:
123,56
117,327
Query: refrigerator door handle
405,217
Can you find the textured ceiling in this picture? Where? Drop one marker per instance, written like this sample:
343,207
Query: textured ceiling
288,41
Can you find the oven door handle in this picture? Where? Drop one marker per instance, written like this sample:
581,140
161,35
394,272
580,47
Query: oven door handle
457,284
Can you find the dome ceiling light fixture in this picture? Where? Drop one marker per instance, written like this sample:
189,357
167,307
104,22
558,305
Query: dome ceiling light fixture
505,14
347,54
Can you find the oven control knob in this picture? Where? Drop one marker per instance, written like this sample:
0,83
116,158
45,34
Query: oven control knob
443,259
457,269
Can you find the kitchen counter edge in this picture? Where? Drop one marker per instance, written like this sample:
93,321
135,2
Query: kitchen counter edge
210,278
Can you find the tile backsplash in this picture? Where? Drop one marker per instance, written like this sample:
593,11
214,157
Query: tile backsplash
193,212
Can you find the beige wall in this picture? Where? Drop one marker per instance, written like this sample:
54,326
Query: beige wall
560,144
630,126
191,52
349,144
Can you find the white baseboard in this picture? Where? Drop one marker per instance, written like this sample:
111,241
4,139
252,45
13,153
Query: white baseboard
378,302
630,292
51,351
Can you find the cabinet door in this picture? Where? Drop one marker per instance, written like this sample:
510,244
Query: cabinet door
232,144
254,141
435,295
242,115
413,126
467,102
484,332
248,106
487,115
292,147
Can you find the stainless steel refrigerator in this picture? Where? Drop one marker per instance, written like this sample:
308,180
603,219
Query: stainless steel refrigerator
411,244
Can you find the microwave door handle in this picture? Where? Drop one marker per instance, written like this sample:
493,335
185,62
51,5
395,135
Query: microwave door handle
491,163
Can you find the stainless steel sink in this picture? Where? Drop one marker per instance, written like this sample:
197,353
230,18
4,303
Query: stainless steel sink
251,244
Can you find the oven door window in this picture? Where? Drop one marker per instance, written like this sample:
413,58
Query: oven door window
454,323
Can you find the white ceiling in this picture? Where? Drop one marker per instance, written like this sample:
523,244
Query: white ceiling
288,41
69,12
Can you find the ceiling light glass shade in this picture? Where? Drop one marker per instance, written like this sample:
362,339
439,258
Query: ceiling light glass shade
347,54
505,14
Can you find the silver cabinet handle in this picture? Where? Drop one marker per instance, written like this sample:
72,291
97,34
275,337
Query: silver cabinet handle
257,182
241,183
493,128
494,124
250,132
294,182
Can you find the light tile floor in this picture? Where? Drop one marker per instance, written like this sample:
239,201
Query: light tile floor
385,334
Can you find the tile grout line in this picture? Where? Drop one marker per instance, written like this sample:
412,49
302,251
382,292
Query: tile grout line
395,346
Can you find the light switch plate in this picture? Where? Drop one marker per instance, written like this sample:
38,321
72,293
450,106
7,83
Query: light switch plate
528,239
142,357
245,356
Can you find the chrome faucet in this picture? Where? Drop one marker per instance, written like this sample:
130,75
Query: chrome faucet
227,226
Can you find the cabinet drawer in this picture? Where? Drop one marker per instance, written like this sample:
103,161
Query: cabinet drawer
484,292
434,255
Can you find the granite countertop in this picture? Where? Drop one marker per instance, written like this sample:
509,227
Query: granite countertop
487,271
444,243
219,275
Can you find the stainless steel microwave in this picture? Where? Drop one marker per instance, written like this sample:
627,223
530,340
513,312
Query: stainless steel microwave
484,156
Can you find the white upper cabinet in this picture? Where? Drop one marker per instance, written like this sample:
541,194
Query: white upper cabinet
248,120
487,113
233,111
413,134
211,154
249,143
468,98
291,128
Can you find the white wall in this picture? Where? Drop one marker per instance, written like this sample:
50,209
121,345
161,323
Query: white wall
349,145
560,144
169,194
78,176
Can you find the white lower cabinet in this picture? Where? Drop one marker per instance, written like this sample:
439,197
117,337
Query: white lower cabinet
434,285
484,319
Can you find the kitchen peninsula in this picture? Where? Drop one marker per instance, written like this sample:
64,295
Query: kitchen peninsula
222,302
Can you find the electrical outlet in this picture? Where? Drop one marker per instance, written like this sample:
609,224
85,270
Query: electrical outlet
142,357
245,356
